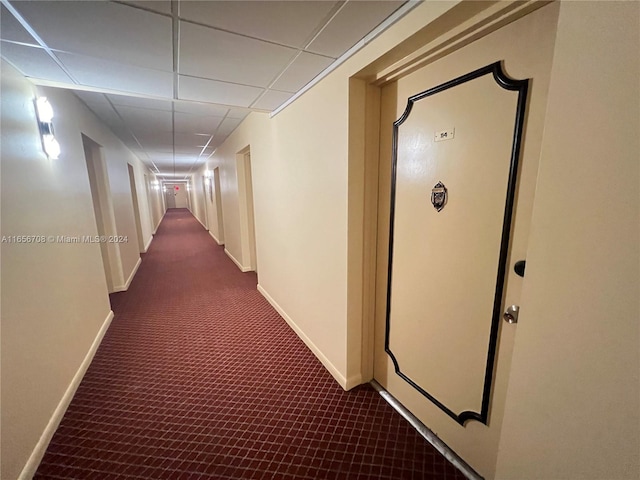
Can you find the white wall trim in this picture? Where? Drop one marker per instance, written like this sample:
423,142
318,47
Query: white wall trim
159,222
344,383
238,264
39,450
353,381
215,238
125,287
203,225
148,244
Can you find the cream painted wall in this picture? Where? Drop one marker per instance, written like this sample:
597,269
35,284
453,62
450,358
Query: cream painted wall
299,162
54,295
74,118
573,404
154,199
208,208
199,209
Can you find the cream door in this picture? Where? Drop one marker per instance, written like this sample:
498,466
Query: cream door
459,149
170,196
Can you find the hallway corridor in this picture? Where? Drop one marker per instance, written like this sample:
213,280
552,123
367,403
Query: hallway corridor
198,377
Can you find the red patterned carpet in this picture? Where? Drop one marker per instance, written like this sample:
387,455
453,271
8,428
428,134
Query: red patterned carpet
198,377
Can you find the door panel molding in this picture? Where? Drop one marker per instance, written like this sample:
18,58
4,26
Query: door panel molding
506,82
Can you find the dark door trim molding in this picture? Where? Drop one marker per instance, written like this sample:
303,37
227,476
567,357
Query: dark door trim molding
521,86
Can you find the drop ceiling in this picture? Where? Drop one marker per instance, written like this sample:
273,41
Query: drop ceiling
174,78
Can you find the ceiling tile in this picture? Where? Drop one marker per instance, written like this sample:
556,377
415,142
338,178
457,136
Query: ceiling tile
272,99
140,119
103,29
140,102
10,28
116,76
286,22
161,143
107,114
189,140
191,153
186,123
238,113
92,98
206,109
227,126
353,22
209,53
302,71
33,62
160,156
201,89
155,5
123,134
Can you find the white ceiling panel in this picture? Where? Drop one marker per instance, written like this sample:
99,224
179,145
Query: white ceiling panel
159,141
123,134
33,62
203,90
140,102
140,119
107,114
104,30
205,109
155,5
188,151
159,157
302,71
12,30
272,99
227,126
190,140
238,113
186,123
168,157
100,73
286,22
233,57
353,22
209,53
157,147
92,98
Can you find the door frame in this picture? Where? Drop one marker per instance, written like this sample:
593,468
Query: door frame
247,209
136,207
461,25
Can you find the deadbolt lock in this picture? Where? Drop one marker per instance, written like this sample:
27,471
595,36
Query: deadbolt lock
511,314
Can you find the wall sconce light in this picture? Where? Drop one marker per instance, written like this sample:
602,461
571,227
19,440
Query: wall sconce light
44,112
208,173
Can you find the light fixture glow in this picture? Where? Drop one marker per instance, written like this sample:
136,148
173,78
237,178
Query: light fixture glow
45,110
51,146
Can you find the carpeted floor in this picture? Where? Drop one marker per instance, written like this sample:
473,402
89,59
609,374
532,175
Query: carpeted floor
198,377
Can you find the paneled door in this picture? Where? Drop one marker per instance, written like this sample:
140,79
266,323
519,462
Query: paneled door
459,150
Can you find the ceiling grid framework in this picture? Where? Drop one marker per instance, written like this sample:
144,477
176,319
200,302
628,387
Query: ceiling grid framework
173,78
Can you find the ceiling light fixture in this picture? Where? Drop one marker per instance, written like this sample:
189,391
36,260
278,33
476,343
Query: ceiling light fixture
44,112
